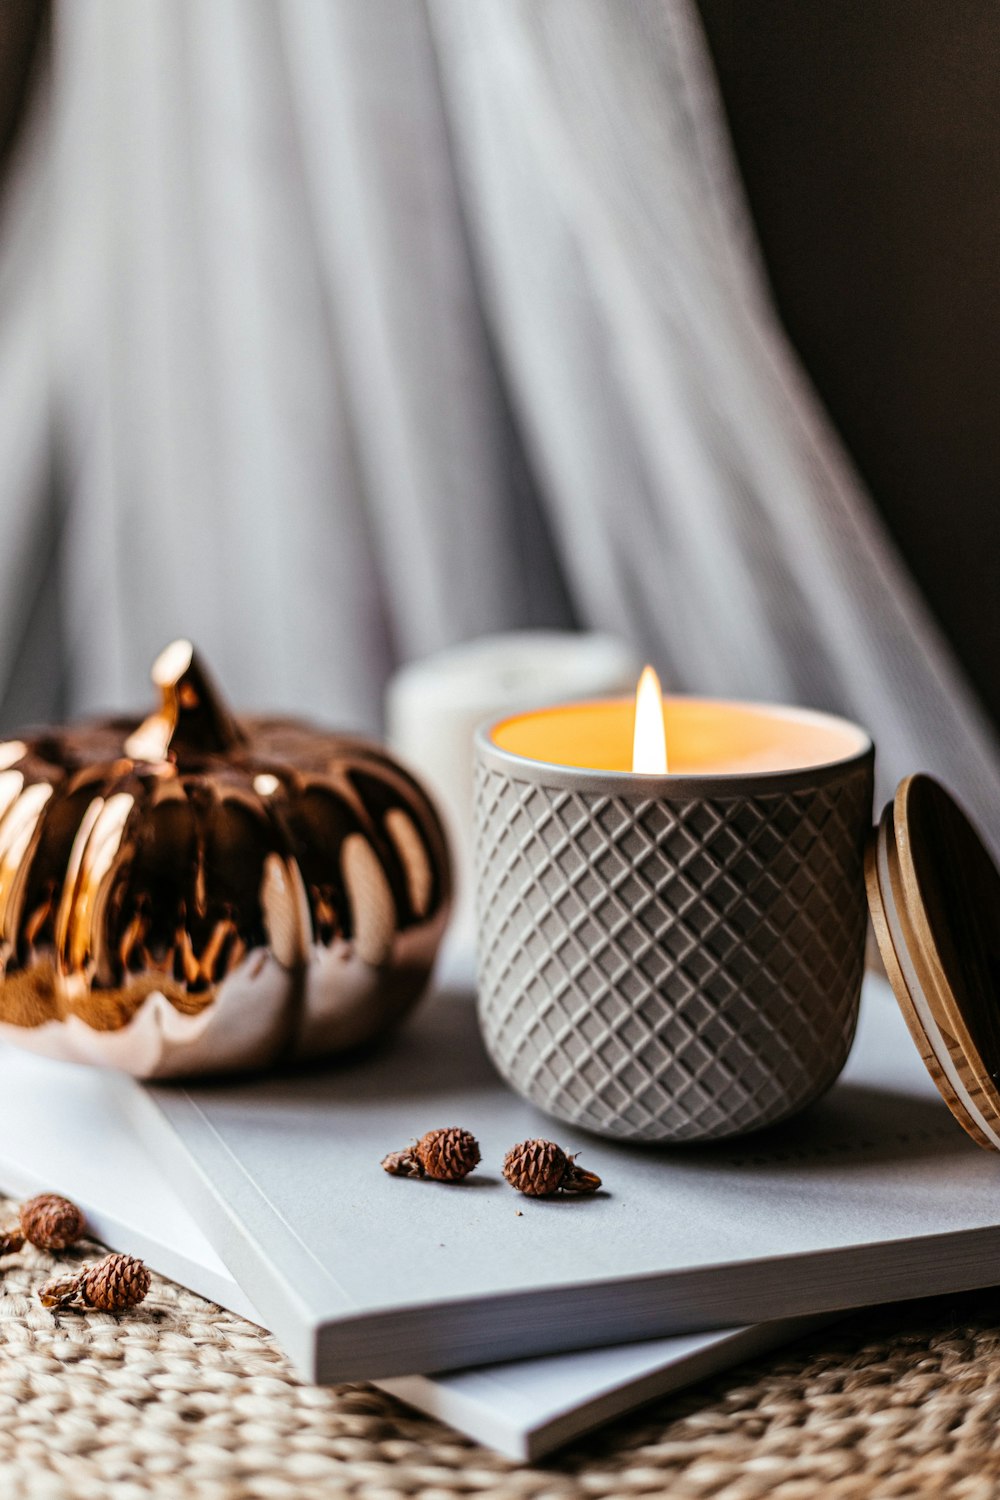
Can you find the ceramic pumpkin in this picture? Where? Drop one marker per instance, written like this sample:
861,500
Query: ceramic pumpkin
201,893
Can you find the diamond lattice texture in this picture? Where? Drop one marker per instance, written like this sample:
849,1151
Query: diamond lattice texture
670,971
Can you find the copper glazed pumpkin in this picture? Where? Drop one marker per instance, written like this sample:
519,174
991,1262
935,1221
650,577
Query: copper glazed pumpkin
201,893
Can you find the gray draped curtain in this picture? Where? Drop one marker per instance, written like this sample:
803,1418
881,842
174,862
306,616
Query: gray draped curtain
335,331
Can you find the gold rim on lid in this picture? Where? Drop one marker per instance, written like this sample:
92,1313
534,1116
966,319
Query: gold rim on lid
934,893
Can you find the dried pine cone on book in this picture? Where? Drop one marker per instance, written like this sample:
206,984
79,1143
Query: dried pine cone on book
446,1155
541,1168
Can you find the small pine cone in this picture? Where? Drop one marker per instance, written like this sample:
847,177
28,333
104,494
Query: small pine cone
402,1164
11,1240
536,1168
114,1283
540,1168
51,1222
447,1155
62,1291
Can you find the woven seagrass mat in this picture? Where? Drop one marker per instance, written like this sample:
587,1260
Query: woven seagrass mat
182,1399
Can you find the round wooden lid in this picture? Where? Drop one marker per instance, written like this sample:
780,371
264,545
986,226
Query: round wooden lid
934,893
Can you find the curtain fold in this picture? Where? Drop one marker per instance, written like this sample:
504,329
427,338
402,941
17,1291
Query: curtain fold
29,537
379,325
664,403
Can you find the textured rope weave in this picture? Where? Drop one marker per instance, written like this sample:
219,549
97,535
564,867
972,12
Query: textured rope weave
182,1399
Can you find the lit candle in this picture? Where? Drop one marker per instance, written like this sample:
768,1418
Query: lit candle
671,954
649,736
708,736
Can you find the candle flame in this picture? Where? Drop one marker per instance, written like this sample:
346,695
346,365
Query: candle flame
649,745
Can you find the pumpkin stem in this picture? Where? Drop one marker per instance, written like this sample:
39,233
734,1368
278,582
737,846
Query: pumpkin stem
192,716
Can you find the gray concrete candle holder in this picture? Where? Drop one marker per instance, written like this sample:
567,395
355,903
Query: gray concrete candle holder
671,958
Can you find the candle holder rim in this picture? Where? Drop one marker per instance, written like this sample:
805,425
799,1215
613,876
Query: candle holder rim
670,785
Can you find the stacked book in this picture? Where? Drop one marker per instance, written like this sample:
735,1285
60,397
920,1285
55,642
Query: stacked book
522,1322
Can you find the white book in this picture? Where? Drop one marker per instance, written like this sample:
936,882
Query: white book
874,1195
530,1407
67,1129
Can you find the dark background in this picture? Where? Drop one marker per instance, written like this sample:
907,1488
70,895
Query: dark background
868,135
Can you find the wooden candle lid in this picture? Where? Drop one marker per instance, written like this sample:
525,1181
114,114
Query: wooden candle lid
934,893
